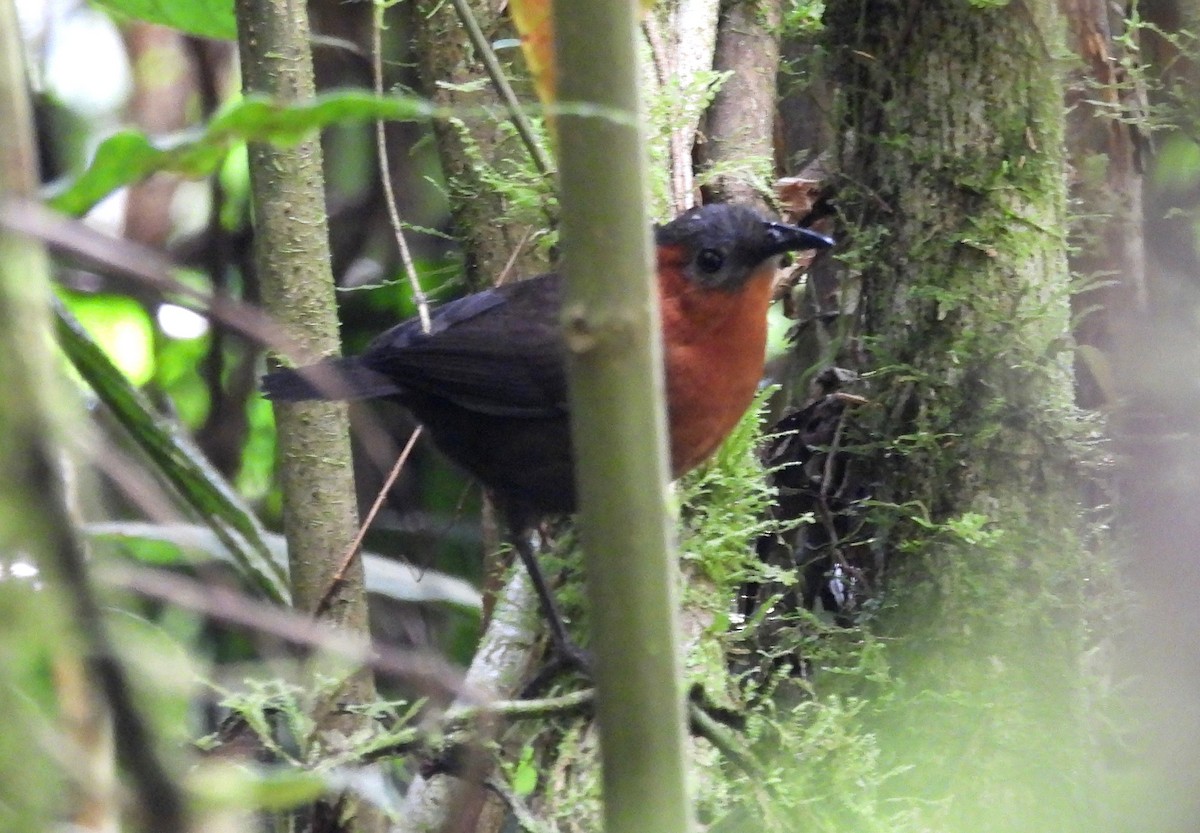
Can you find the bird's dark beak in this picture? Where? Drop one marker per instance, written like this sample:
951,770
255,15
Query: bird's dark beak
784,238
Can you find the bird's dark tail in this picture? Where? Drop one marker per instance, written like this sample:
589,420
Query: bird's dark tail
334,379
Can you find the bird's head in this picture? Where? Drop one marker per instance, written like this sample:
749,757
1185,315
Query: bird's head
720,246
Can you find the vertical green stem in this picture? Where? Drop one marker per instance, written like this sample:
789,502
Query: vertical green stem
619,430
27,390
292,258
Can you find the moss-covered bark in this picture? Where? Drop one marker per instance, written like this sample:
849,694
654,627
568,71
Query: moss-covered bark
1105,143
498,203
952,159
953,154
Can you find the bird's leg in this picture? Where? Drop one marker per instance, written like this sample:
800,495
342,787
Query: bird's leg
567,650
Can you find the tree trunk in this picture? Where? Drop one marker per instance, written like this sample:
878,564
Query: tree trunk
952,143
483,160
739,132
293,265
951,152
1104,140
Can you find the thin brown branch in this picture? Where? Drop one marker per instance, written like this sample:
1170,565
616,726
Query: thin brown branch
352,550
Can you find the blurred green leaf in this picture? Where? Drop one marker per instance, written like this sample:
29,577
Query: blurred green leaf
276,788
181,543
121,328
525,773
162,660
256,475
1177,168
224,785
234,176
207,18
179,374
177,460
130,156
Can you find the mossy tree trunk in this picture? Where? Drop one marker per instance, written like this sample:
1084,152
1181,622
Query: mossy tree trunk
489,176
953,144
1105,141
952,159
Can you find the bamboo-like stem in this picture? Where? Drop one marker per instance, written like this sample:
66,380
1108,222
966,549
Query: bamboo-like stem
618,426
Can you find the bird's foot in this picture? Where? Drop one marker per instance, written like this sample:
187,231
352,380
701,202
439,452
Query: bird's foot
565,656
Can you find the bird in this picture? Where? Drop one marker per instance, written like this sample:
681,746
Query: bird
488,378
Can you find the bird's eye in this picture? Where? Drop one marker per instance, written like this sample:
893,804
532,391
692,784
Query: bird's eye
710,260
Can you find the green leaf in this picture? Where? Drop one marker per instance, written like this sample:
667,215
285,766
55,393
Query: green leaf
131,156
207,18
167,544
277,788
120,326
525,774
199,485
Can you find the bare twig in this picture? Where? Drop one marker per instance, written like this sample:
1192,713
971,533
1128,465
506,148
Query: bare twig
385,173
340,573
502,278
